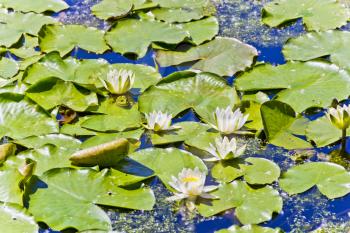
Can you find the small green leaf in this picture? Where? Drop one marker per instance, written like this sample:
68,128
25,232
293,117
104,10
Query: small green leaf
260,171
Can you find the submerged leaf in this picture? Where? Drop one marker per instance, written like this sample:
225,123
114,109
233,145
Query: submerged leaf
71,198
222,56
331,179
317,15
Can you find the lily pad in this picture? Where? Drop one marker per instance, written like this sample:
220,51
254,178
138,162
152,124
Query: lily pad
278,119
260,171
21,118
46,157
201,30
181,3
323,132
135,36
10,180
202,92
15,218
15,24
227,171
253,206
166,163
8,68
249,229
222,56
6,150
87,38
332,180
38,6
72,196
108,9
303,84
59,140
316,16
52,92
319,44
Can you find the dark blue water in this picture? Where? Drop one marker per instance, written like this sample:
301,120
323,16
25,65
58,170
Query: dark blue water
301,213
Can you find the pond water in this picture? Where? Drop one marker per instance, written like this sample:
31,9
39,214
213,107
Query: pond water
301,213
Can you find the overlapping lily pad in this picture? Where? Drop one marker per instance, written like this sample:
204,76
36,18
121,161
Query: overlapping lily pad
87,38
37,6
8,68
249,229
279,120
16,219
10,180
135,36
72,196
332,180
59,140
253,206
165,163
181,15
319,44
317,15
222,56
181,3
202,92
15,24
322,132
302,85
108,9
20,118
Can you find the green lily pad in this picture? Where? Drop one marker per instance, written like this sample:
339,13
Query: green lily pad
107,9
254,119
125,179
108,137
15,218
319,44
202,92
46,157
201,30
75,129
227,170
249,229
72,196
253,206
183,14
87,38
15,24
278,119
302,85
222,56
37,6
6,150
21,118
260,171
135,36
332,180
166,163
59,140
27,49
318,17
323,132
8,68
181,3
105,155
10,180
184,131
52,92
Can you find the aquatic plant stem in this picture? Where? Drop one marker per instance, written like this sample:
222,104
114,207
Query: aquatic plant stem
343,144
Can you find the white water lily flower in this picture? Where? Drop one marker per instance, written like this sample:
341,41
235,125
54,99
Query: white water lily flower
224,149
189,185
227,121
119,81
158,121
340,116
